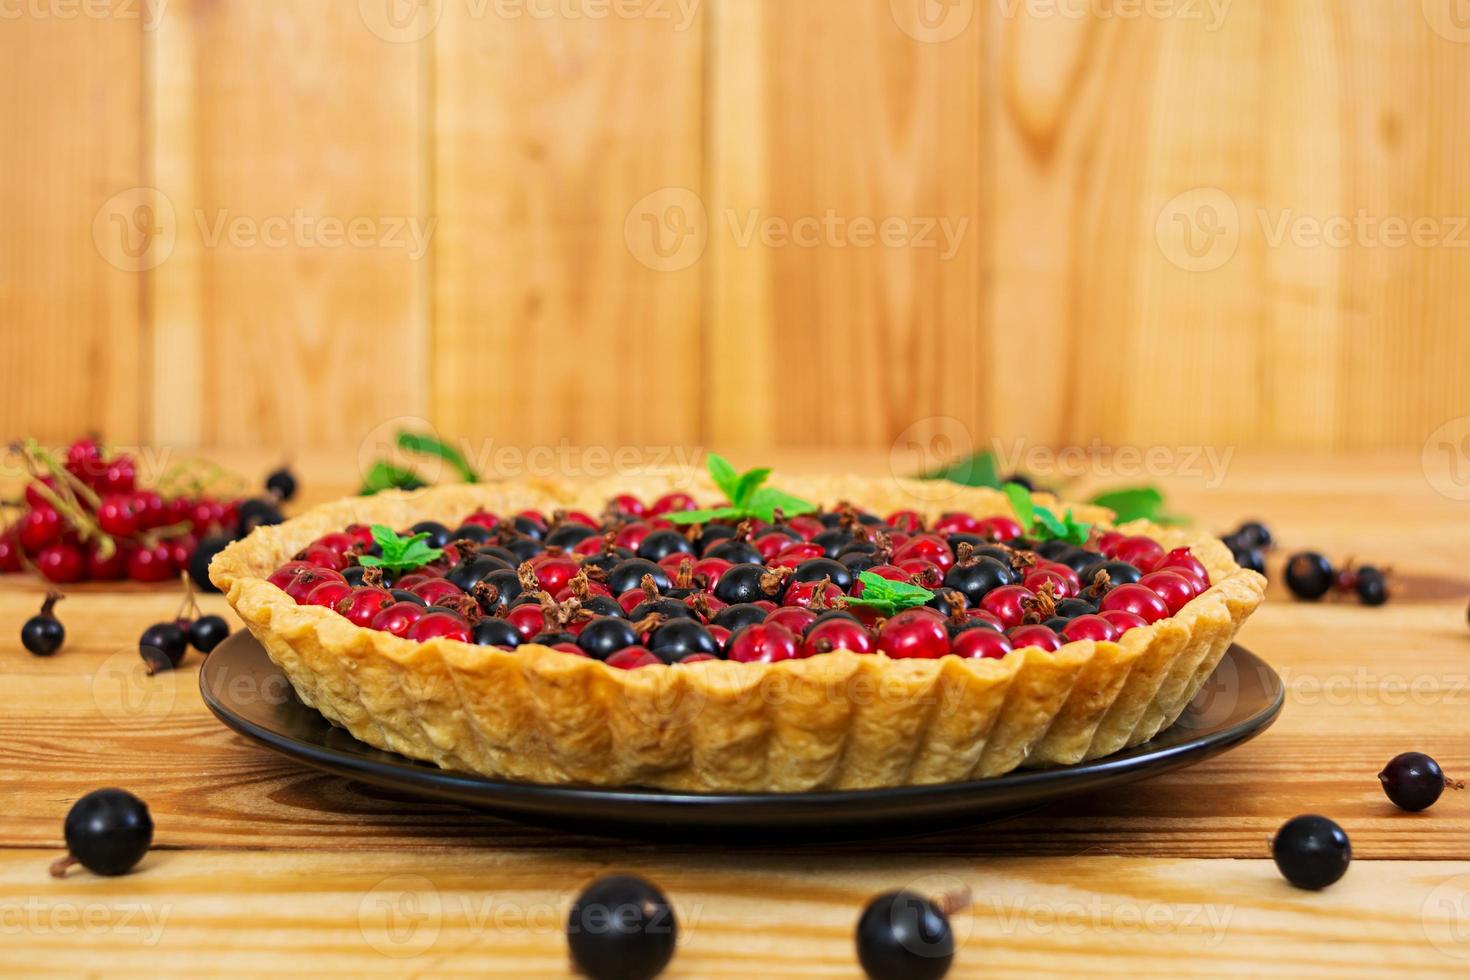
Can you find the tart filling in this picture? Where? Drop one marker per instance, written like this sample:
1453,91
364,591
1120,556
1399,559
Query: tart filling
504,630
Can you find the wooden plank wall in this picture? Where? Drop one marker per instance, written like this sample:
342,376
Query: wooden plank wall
861,223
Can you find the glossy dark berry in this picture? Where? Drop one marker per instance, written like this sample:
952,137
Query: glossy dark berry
257,513
208,632
833,541
604,637
472,571
627,575
678,639
281,484
204,553
665,606
904,936
1254,534
743,583
660,544
734,617
568,535
1311,851
1412,780
43,633
1309,575
1119,573
621,928
438,534
162,646
404,595
1072,608
978,578
735,552
1249,558
1371,586
107,831
819,568
492,632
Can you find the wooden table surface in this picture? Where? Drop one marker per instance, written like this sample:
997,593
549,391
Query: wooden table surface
261,865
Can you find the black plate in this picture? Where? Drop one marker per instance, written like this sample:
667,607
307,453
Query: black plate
252,696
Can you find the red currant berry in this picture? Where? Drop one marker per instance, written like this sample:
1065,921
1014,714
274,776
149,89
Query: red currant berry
803,593
632,658
436,590
981,644
632,535
806,526
10,553
119,476
721,635
1175,589
309,578
555,571
286,574
795,553
914,634
999,529
794,618
529,619
61,563
1182,560
152,511
152,564
957,523
41,526
439,625
1140,600
1061,587
361,605
1035,636
398,618
1108,542
114,568
891,572
483,519
928,547
628,504
1006,604
571,648
763,643
906,520
1122,621
1090,628
1074,581
1140,552
697,658
181,549
327,595
671,503
837,634
34,497
117,515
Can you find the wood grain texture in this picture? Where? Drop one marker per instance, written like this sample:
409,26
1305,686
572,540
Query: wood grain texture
262,865
290,138
555,317
72,156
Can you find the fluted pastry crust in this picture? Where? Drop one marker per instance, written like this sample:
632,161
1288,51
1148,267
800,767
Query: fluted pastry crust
835,721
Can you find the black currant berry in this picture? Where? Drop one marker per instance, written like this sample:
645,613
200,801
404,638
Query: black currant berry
604,637
816,569
904,936
438,534
528,527
678,639
629,574
1249,558
734,617
621,928
1413,781
712,534
1371,586
1309,575
480,534
473,570
203,554
568,535
735,552
601,605
354,575
208,632
977,578
660,544
107,832
834,542
1253,534
492,632
162,646
43,633
281,484
1072,608
1119,573
744,583
403,595
257,513
665,606
1311,851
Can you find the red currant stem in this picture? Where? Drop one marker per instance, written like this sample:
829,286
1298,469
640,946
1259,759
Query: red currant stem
190,603
171,531
64,477
956,901
75,516
1454,783
61,865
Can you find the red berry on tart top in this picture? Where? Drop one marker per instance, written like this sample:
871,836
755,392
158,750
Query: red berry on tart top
763,579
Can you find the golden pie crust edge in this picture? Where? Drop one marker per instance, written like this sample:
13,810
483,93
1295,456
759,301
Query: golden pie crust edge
836,721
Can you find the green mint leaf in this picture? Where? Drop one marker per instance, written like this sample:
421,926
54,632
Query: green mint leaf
767,500
723,474
1049,523
429,446
399,554
748,484
1020,499
705,516
385,476
879,591
1135,504
978,470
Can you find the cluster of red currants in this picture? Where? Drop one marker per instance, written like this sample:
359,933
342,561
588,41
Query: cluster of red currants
85,517
635,589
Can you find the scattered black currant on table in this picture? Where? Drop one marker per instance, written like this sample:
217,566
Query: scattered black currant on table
43,633
1311,851
208,632
107,832
203,555
1309,575
281,484
905,936
1414,781
162,646
622,928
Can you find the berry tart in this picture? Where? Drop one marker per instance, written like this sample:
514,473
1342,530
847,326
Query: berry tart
836,634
